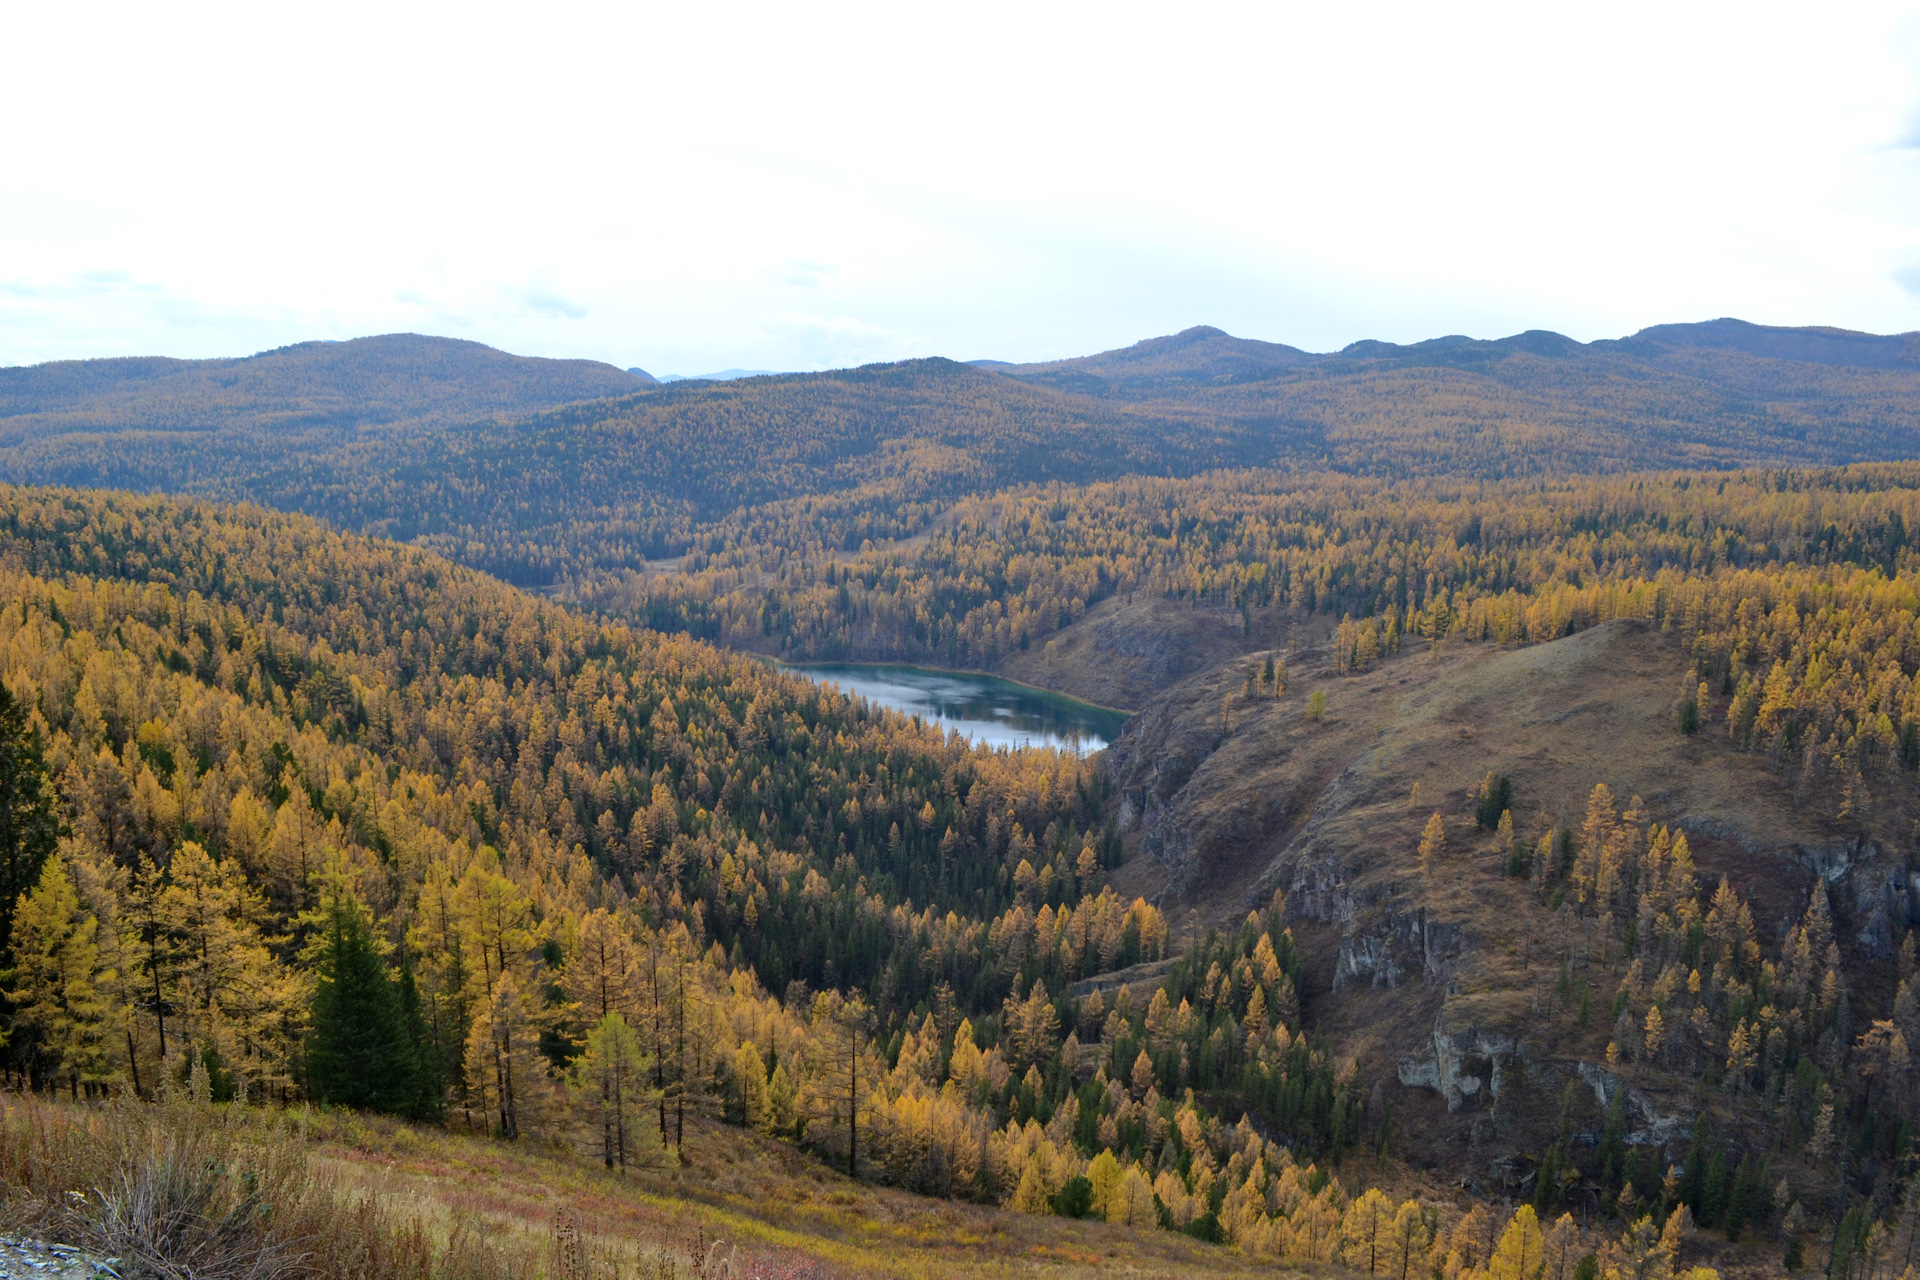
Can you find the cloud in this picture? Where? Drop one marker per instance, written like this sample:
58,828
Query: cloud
835,342
124,313
1908,138
802,273
1908,278
542,296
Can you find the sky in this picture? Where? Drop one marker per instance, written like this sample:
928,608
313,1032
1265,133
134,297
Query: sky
687,188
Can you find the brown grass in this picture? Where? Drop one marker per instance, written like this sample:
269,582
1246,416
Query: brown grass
177,1190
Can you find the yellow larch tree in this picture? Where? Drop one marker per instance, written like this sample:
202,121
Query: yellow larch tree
61,1016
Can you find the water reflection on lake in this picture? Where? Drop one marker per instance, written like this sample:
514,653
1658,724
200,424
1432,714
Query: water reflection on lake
987,710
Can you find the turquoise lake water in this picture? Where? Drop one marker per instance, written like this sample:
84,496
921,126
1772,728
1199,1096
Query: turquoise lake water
986,709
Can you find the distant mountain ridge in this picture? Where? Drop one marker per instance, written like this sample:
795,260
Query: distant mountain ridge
1206,354
723,375
539,469
365,382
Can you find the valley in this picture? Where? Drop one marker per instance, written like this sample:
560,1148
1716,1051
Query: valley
1513,807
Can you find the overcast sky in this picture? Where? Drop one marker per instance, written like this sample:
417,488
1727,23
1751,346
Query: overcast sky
689,187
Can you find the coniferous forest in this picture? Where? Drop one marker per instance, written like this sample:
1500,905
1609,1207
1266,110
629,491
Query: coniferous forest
307,808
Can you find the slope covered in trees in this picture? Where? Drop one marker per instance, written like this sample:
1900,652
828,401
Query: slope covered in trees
881,451
173,424
1784,580
346,821
333,802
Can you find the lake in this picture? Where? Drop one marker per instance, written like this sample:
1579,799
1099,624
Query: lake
985,709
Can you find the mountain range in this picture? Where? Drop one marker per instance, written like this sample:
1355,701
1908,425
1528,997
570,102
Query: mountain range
537,468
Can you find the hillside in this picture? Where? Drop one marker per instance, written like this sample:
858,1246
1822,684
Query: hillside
1508,986
627,899
342,822
1081,587
378,1199
1503,1012
172,424
383,438
1714,394
1537,834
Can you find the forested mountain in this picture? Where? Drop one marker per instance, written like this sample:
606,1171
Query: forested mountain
159,423
879,452
278,751
1709,349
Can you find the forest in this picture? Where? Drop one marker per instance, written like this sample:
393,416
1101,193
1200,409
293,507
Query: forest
543,472
1783,579
303,815
309,805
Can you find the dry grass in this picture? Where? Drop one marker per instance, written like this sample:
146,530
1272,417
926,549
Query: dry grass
742,1206
177,1190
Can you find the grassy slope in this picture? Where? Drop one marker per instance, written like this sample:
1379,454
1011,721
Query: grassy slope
751,1194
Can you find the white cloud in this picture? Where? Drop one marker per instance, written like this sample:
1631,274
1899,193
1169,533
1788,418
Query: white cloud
543,297
756,185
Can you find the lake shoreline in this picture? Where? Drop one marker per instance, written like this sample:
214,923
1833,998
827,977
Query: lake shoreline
988,710
781,664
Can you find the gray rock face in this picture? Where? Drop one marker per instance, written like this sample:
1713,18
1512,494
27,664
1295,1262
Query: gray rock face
1458,1065
1651,1128
1405,944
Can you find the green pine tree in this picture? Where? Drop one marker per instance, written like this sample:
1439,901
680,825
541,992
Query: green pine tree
29,827
428,1101
360,1054
610,1090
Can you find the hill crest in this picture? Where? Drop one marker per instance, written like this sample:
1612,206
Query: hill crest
373,381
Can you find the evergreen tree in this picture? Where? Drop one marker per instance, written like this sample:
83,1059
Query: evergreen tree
1433,844
1494,797
29,828
428,1100
225,988
1408,1239
358,1054
1366,1232
506,1073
